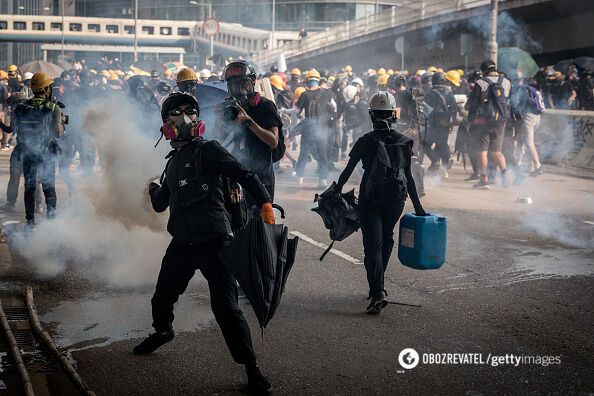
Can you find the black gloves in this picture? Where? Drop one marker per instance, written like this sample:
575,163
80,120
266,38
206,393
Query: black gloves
419,211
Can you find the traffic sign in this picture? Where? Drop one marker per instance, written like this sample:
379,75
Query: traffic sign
211,26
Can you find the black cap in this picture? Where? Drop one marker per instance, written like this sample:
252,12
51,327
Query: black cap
488,66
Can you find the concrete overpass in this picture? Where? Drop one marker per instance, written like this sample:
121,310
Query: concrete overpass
549,29
232,39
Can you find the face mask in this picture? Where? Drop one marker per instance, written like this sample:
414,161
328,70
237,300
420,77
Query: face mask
313,83
241,88
184,130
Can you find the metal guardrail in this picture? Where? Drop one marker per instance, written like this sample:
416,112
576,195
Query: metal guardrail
407,12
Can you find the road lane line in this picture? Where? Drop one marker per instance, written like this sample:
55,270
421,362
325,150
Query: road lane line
321,245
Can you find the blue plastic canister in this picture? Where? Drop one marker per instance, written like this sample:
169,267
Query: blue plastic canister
422,241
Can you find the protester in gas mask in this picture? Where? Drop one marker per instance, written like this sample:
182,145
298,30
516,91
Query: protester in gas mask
187,81
38,123
192,188
255,124
386,156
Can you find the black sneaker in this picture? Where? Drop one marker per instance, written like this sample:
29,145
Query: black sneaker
450,164
257,383
537,172
30,226
153,341
378,301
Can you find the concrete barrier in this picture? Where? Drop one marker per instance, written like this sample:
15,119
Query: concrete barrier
565,137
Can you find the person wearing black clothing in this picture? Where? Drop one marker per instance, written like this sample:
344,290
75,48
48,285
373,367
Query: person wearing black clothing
257,126
443,103
586,91
192,188
561,92
378,219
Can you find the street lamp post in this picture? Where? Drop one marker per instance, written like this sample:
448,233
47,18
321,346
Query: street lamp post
272,44
63,27
135,30
492,44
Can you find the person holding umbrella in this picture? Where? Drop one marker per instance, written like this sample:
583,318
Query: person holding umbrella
192,188
386,156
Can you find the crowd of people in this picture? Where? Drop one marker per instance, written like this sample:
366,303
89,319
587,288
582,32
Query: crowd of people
390,121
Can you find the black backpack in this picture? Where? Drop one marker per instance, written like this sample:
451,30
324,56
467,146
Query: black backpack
443,114
386,182
34,126
495,104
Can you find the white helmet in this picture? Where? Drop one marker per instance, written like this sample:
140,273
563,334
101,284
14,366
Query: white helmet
204,73
27,76
357,81
382,101
349,93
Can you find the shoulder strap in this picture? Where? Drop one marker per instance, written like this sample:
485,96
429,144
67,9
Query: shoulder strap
169,158
500,80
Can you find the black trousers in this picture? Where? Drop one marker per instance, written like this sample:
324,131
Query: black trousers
438,135
377,227
178,267
45,164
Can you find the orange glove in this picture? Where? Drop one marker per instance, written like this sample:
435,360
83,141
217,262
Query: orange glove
267,213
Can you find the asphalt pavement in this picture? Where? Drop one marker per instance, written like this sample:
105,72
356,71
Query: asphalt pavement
517,284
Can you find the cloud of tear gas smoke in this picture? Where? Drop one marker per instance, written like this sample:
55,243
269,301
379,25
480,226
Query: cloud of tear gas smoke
511,32
554,226
108,232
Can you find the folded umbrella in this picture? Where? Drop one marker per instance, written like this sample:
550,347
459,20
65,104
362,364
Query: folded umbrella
340,215
260,257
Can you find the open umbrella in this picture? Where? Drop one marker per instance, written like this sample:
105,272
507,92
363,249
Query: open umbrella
149,65
339,214
42,66
260,257
585,62
209,95
563,66
512,59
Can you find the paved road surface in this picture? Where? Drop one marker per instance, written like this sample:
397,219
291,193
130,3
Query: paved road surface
518,280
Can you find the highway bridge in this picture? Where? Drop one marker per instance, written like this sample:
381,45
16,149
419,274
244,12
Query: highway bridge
431,30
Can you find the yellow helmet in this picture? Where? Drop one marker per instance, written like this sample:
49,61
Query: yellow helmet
454,77
105,73
313,74
432,69
439,69
295,72
186,74
40,80
12,68
168,73
297,93
460,72
382,80
390,72
381,71
347,69
277,82
3,75
113,77
371,72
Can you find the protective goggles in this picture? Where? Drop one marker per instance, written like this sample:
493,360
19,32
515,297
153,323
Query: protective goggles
188,111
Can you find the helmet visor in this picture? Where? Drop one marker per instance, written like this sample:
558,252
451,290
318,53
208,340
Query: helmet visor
240,87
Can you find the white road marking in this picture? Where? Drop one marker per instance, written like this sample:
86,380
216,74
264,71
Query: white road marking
321,245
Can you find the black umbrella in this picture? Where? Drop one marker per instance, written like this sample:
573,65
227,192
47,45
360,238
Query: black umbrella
585,62
563,66
340,215
260,256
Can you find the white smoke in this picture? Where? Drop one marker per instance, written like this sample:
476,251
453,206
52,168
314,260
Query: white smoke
109,231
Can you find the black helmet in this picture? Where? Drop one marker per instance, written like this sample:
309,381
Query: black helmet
438,78
488,66
177,99
163,87
426,78
396,81
239,69
474,76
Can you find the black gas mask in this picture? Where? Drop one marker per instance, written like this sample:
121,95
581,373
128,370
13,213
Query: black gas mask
188,86
241,89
